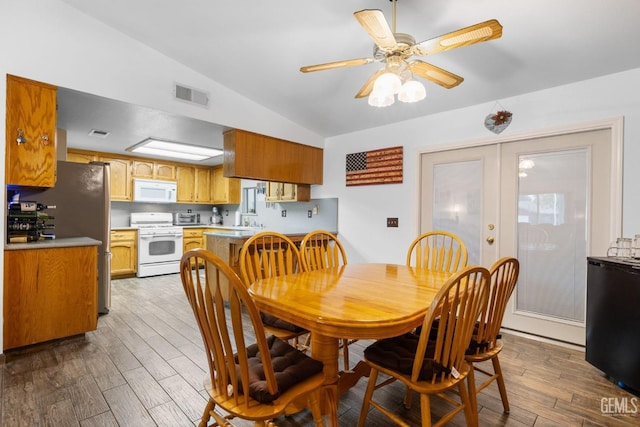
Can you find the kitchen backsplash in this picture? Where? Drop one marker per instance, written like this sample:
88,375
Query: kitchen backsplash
267,215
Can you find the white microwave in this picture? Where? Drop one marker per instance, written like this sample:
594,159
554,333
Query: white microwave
154,191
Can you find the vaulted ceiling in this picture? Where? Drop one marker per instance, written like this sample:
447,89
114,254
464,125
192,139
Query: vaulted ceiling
256,48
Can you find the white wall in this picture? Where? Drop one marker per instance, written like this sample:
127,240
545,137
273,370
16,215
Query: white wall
363,210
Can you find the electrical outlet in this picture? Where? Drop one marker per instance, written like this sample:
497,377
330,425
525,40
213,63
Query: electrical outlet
392,222
284,213
309,213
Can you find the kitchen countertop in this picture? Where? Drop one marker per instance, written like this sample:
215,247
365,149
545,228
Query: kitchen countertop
238,233
53,243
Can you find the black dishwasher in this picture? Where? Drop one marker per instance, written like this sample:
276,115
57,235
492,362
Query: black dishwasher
613,318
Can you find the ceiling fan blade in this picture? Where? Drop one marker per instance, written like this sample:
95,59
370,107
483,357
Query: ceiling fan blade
481,32
435,74
337,64
373,21
366,89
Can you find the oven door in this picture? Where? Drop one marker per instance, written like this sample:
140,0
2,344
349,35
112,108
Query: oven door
159,246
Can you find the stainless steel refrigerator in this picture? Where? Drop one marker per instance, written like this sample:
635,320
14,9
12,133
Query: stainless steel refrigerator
82,199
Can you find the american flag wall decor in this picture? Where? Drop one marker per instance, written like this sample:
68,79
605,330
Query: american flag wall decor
382,166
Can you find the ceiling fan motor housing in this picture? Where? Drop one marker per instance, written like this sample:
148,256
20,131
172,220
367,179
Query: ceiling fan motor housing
402,48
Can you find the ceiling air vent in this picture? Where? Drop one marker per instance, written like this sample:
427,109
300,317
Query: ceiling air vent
98,133
194,96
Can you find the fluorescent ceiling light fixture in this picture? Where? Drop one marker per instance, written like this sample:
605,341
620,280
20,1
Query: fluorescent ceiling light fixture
174,150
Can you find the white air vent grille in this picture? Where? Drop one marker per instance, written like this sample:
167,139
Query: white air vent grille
188,94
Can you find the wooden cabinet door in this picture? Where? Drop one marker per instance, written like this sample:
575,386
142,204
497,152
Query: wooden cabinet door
288,192
225,190
203,186
31,119
142,169
123,258
165,171
49,293
186,177
273,192
124,252
120,178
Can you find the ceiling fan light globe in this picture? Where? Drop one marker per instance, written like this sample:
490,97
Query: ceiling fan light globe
380,99
412,91
388,83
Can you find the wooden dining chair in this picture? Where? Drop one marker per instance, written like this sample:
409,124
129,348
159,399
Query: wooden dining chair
437,250
485,343
270,254
431,366
254,381
321,249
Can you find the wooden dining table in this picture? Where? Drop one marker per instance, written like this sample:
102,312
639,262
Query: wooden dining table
355,301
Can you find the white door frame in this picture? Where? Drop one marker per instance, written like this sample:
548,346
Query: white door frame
613,125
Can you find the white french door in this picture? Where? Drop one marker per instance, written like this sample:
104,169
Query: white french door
545,200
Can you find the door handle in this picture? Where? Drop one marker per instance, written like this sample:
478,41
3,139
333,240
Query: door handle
490,240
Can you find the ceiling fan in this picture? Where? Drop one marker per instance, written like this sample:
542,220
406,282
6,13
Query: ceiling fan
396,49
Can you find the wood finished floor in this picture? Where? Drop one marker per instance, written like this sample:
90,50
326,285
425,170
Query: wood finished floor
145,363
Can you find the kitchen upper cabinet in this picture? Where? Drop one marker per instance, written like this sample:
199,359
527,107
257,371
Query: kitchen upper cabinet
142,169
194,184
124,252
285,192
164,171
30,133
121,181
149,169
81,156
279,160
186,177
203,185
224,190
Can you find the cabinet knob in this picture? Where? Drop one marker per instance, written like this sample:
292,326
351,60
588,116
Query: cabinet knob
45,139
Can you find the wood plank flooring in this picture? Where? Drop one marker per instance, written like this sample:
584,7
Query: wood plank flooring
145,363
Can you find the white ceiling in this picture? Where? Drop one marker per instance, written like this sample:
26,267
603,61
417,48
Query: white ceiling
256,48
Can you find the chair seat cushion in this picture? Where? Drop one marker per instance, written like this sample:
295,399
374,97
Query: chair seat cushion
290,366
398,354
475,346
275,322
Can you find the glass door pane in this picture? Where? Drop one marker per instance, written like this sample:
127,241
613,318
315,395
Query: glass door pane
456,203
553,191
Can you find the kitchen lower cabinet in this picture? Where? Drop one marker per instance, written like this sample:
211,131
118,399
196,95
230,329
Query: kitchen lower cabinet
192,238
124,253
49,294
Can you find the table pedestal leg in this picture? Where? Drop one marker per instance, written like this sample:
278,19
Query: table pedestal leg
325,349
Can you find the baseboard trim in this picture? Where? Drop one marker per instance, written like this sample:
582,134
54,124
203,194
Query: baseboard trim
544,339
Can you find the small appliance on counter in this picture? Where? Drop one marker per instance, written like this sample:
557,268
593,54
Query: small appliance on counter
186,218
216,218
27,223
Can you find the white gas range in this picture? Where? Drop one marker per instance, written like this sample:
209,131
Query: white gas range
159,243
